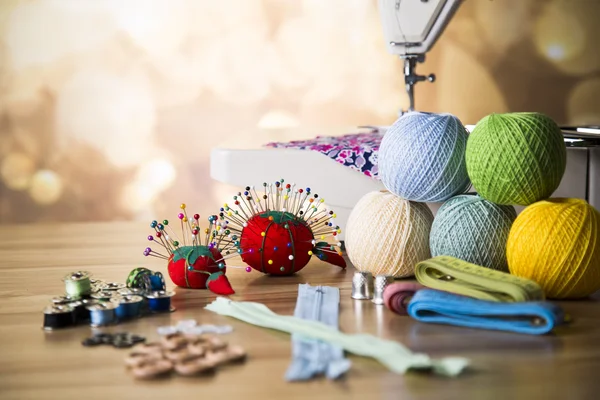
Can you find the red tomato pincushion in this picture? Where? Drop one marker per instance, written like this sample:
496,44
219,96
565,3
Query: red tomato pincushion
190,266
197,265
276,243
274,229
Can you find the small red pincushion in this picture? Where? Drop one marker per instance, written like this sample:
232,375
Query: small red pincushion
201,258
284,236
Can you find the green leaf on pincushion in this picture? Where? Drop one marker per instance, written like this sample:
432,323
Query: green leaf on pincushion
279,216
191,253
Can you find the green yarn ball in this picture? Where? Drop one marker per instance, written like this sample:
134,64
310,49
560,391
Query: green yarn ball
472,229
516,158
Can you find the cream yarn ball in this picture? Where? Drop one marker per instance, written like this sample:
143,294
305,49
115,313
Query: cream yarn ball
387,235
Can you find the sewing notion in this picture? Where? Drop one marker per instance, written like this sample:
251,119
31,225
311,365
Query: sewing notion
393,355
387,235
380,283
362,286
460,277
191,327
516,158
556,242
98,303
119,340
143,280
196,260
422,157
396,296
472,229
277,229
534,318
314,357
186,355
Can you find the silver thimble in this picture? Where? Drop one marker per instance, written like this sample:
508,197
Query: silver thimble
381,282
362,286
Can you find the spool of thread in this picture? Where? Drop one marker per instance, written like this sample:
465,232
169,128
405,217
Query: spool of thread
422,157
396,296
129,307
81,314
556,243
77,284
156,282
160,301
387,235
472,229
102,314
135,277
58,316
516,158
134,291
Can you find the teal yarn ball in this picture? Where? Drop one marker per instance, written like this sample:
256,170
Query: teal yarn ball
472,229
516,158
422,157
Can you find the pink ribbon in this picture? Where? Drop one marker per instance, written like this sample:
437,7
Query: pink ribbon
396,296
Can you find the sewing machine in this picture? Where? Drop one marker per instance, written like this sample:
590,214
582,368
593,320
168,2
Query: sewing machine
411,28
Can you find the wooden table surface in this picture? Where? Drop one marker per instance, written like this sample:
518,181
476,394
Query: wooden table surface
43,365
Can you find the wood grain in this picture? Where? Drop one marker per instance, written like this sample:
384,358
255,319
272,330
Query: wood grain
41,365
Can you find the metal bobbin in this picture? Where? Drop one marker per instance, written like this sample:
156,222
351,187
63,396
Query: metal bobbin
58,316
102,314
81,314
129,307
160,301
155,282
78,284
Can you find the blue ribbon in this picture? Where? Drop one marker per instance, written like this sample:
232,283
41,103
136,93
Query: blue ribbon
534,318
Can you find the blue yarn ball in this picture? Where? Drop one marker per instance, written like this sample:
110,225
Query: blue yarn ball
422,157
472,229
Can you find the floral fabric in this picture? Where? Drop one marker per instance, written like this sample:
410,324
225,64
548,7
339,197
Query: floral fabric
357,151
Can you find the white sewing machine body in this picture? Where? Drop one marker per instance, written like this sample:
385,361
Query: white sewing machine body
342,187
410,28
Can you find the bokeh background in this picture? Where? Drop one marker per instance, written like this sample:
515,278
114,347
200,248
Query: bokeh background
109,108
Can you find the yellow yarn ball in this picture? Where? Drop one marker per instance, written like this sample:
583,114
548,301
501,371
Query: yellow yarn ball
387,235
556,243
